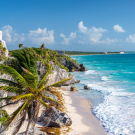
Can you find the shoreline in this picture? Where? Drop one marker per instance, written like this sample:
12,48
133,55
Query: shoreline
94,54
79,110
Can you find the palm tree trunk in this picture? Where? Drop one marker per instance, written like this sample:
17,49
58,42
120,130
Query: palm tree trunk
27,128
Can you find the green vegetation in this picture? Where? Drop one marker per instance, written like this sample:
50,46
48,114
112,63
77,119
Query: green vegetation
86,53
2,52
5,117
46,56
20,45
27,85
43,46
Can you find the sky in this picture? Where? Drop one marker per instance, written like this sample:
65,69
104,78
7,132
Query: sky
70,25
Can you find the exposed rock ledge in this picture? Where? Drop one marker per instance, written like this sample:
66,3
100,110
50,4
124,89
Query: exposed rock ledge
57,74
73,66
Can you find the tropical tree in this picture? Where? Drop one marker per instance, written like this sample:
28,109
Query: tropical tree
28,88
43,46
20,45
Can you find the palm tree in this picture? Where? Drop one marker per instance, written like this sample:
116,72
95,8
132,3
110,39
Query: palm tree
20,45
28,88
43,46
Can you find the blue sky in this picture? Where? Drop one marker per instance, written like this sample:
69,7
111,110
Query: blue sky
77,25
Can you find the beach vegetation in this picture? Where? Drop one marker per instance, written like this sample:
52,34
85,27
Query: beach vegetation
28,87
20,45
5,117
43,46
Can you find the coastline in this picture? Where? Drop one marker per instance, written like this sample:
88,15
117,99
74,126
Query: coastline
95,54
79,110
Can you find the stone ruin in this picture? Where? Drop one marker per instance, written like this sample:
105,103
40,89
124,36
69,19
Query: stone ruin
3,44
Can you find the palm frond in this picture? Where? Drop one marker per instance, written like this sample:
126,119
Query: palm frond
6,98
11,89
26,59
10,83
50,100
44,81
43,86
15,114
17,77
57,84
6,105
36,113
25,70
19,122
44,104
31,79
22,97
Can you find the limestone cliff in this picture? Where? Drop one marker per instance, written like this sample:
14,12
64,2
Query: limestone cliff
57,74
73,66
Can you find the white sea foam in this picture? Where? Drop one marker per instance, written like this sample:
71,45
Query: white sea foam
89,72
104,78
117,112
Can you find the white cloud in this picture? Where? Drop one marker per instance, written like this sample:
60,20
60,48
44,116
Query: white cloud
92,35
131,38
118,28
72,35
40,36
66,40
109,41
82,28
10,36
62,35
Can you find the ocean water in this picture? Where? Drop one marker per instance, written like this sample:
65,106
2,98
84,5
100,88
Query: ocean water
111,79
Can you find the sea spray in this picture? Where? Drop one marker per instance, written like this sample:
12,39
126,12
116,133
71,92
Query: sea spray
111,79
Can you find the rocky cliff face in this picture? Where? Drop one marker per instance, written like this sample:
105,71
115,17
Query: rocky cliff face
73,66
3,94
57,74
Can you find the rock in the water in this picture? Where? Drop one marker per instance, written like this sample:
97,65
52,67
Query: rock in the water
73,88
34,131
82,68
86,87
73,66
58,118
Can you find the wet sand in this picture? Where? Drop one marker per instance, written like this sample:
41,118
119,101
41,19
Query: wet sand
79,110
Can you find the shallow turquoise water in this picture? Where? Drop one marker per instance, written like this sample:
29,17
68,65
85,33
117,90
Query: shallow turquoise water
111,79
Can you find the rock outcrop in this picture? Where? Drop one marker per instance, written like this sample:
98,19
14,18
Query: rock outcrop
86,87
51,96
57,74
57,118
73,66
72,88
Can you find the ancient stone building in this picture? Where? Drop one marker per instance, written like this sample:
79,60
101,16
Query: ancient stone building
3,44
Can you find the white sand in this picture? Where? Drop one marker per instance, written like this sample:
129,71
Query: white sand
78,109
83,121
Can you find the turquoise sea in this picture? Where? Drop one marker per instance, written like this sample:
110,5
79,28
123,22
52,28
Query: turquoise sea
111,79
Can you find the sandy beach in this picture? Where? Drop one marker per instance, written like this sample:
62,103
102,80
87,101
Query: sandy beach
78,109
83,121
